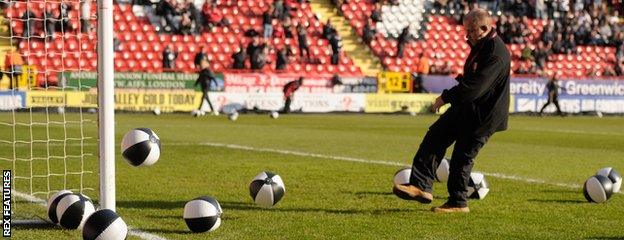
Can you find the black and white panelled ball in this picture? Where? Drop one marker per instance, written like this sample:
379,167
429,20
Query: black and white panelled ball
267,189
141,147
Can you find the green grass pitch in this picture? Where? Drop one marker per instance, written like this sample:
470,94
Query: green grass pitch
328,198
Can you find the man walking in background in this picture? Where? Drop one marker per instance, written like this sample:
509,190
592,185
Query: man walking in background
204,80
553,95
479,108
289,91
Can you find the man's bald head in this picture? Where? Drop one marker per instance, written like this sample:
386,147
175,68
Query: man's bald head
477,24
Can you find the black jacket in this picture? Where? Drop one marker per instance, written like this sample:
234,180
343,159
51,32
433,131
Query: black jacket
204,79
480,102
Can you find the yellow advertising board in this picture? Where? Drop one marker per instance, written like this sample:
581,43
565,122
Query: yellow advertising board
26,80
167,101
395,82
419,103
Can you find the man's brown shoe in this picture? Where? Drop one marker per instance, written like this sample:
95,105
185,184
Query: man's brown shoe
409,192
447,208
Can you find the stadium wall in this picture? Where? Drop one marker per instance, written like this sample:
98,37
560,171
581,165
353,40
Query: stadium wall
176,92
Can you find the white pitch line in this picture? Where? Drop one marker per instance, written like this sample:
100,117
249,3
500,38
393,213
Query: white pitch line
132,231
380,162
569,131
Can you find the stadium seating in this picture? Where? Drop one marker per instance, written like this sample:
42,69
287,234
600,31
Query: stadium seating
141,46
443,40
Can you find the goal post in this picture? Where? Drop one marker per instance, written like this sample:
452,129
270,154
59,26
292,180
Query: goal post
106,102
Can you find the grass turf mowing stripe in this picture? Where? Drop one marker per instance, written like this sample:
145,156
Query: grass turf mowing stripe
131,231
350,159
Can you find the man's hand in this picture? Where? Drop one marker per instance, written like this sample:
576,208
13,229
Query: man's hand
437,104
459,78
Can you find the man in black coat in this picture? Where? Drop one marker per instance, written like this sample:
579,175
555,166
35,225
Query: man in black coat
199,58
239,58
403,38
479,108
204,80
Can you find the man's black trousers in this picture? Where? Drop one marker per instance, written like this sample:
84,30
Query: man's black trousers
205,96
432,151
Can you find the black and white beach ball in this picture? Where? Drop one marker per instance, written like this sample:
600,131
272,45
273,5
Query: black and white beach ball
598,189
141,147
203,214
53,203
477,187
613,175
104,224
73,210
267,189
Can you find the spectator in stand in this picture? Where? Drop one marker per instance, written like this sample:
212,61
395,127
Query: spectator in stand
540,54
605,32
85,16
403,38
619,68
167,9
570,44
239,58
287,26
595,39
328,30
501,25
255,45
13,63
278,9
368,33
302,37
548,35
169,58
516,34
540,9
267,23
200,58
49,22
527,53
336,46
187,26
213,16
281,59
259,59
618,42
28,18
64,16
286,11
558,47
376,14
423,64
